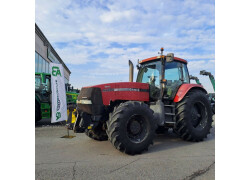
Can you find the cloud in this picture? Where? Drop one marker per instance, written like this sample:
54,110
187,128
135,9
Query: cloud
96,38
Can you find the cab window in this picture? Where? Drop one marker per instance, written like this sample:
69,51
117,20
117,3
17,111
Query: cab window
185,74
150,73
173,73
47,83
37,82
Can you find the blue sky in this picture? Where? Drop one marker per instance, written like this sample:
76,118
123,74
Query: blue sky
96,39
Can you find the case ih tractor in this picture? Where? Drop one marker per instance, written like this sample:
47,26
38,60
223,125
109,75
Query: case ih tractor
128,113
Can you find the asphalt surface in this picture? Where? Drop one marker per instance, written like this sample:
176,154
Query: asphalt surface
84,158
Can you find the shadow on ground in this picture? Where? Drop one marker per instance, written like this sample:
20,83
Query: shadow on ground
47,122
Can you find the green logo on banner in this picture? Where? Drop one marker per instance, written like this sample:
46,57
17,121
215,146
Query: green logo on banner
56,71
58,115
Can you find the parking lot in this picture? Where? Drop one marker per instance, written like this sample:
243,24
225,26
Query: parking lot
84,158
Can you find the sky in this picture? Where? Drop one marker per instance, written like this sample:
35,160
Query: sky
96,38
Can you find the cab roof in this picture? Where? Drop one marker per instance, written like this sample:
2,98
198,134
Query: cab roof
158,57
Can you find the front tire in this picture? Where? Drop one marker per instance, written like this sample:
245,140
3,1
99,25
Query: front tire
131,127
193,116
97,134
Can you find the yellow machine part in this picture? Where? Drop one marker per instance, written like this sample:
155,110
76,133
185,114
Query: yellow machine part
73,116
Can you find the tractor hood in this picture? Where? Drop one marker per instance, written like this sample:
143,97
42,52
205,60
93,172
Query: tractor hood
104,94
122,86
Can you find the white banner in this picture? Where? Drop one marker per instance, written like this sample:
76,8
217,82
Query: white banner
59,104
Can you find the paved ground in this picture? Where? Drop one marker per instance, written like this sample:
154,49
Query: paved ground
83,158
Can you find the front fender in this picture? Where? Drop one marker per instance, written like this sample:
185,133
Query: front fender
185,88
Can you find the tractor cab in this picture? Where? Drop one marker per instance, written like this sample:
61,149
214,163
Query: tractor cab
175,74
43,86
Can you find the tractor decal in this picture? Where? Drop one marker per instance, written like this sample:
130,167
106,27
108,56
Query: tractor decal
125,89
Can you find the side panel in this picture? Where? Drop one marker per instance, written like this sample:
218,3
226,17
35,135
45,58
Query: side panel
184,89
124,91
45,110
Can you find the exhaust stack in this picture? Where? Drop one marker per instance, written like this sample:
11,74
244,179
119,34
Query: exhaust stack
131,71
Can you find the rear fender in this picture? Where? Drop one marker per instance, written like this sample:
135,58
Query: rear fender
185,88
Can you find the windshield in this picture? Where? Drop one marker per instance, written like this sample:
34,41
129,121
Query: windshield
40,86
37,82
150,73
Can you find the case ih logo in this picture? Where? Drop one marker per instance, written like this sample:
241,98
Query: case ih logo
56,71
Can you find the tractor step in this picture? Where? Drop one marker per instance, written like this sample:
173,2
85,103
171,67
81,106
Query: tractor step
170,114
169,124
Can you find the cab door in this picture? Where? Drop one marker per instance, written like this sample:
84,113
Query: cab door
176,74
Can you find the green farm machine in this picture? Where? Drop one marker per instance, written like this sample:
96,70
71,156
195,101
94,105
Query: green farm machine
43,96
195,78
211,95
211,77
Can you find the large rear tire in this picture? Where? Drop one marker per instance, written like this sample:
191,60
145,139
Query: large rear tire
131,127
193,116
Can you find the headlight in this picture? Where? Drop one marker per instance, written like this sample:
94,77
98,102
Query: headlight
84,101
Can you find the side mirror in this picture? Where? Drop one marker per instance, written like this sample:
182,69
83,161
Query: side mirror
170,57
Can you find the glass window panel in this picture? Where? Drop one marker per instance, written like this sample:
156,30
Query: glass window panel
37,82
46,66
150,74
172,73
185,74
40,64
173,77
36,62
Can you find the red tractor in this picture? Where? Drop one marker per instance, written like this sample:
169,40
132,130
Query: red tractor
129,113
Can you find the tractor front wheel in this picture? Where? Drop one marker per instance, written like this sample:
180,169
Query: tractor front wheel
97,134
131,127
193,116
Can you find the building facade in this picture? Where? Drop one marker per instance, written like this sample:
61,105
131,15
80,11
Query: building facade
45,53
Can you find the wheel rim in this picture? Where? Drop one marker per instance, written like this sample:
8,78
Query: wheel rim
199,116
137,128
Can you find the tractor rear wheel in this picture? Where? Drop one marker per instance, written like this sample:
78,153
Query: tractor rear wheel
97,134
131,127
193,116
